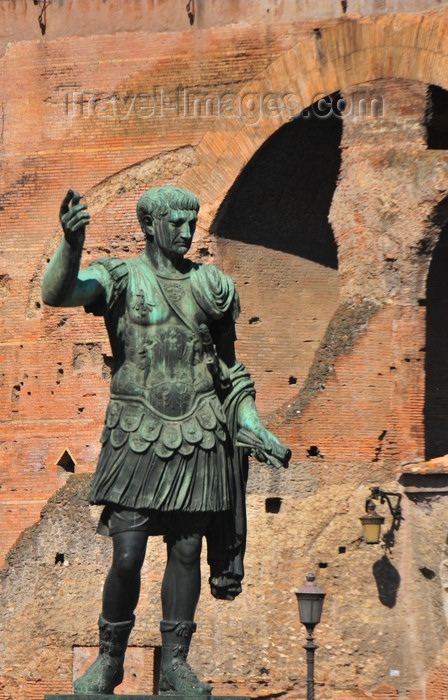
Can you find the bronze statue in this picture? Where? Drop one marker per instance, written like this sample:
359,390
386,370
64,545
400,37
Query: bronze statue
179,426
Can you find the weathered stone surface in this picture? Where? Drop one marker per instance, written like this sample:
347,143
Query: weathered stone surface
371,621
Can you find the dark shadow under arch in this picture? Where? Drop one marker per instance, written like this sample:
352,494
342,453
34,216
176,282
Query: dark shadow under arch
282,197
436,363
436,119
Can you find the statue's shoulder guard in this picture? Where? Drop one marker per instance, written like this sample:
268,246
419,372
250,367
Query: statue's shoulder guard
214,291
117,275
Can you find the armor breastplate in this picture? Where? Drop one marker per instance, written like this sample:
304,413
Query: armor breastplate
163,393
165,368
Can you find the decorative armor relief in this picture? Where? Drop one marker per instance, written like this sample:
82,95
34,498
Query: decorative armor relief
163,394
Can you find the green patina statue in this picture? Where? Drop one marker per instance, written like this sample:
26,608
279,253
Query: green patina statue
179,427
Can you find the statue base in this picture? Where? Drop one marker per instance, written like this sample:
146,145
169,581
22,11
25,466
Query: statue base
97,696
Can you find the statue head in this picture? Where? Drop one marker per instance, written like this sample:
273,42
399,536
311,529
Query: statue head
168,217
158,201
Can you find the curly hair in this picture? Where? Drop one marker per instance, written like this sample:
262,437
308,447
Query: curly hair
158,201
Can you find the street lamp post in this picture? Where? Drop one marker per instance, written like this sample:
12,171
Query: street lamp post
311,600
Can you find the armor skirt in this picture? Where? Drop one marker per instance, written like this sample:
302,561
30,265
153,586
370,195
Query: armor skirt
201,481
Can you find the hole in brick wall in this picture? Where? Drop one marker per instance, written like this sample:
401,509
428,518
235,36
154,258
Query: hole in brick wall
322,565
436,118
15,394
254,319
273,505
59,558
342,550
314,451
427,573
292,380
344,4
66,463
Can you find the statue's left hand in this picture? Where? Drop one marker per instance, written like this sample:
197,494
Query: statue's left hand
264,446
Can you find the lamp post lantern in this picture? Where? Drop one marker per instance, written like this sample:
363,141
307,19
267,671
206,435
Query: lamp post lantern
311,600
371,522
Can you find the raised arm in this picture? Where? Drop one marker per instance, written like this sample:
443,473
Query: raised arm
63,283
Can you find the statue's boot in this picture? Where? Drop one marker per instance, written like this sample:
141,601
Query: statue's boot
176,675
106,672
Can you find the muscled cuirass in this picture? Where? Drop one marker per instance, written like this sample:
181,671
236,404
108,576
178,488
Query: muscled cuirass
163,391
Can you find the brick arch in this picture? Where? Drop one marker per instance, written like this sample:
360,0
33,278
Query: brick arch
342,54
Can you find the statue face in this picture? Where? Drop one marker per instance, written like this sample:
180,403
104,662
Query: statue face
174,232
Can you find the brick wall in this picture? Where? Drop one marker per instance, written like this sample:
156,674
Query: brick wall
334,323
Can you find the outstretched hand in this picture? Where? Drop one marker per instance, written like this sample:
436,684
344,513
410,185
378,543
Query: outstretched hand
74,219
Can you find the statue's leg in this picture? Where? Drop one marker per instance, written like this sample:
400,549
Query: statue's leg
122,587
120,597
181,585
180,594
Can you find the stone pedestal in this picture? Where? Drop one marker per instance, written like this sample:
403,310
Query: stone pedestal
142,697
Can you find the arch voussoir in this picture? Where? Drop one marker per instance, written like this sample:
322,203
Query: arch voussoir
338,56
